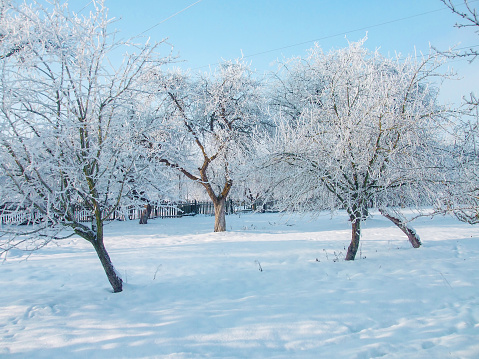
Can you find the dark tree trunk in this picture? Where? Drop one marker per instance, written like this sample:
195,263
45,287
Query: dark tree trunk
95,237
220,215
408,231
355,237
145,214
115,281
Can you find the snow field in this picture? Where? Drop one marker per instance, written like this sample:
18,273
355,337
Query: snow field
191,293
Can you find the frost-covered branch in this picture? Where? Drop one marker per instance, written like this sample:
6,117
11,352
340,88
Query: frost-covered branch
69,122
366,131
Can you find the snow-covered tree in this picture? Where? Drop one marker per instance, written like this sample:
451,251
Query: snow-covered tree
69,111
463,198
212,118
470,18
356,130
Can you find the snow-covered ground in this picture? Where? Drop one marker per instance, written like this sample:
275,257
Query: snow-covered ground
191,293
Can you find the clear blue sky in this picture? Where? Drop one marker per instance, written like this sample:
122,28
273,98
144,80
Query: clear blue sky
265,30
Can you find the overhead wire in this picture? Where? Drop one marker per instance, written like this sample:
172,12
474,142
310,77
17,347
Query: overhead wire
303,42
169,17
84,7
157,24
336,35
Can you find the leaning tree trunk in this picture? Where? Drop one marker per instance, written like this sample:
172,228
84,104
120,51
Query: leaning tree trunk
115,281
220,214
355,237
97,242
408,231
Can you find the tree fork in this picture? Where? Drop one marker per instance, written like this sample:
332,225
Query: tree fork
145,214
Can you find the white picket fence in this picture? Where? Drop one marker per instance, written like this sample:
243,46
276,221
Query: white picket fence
12,218
162,210
19,218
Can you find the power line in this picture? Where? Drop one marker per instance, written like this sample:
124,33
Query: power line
84,7
337,34
159,23
168,18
